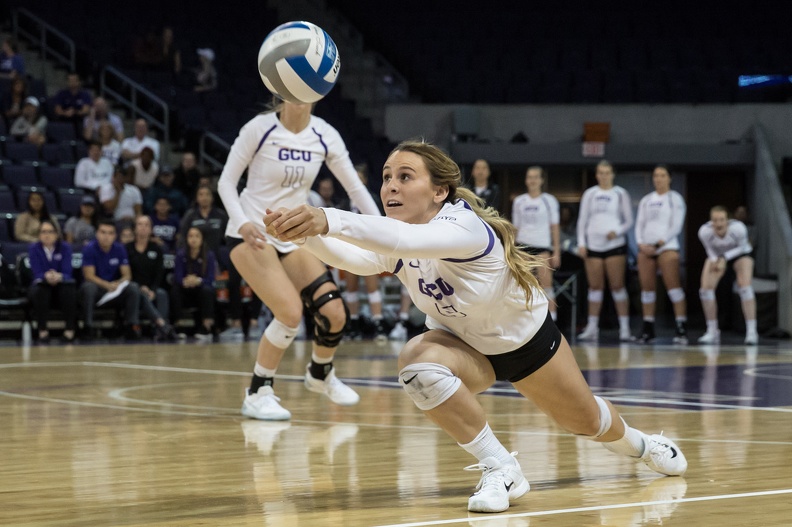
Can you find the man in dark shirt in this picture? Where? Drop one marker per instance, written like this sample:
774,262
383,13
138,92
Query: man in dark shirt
73,103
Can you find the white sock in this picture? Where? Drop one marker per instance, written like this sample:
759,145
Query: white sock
593,321
553,315
681,319
649,319
320,360
750,326
624,323
487,445
631,444
712,326
404,317
261,371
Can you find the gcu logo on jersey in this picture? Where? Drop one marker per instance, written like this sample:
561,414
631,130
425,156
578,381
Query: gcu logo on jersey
436,290
288,154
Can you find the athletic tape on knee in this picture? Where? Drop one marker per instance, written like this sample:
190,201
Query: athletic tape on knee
747,293
605,419
619,295
429,385
550,292
279,334
648,297
350,297
375,297
707,294
595,295
676,294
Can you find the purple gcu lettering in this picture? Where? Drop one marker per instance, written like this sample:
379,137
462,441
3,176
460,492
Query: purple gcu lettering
287,154
436,290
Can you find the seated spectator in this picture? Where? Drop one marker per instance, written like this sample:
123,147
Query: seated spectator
206,75
94,171
12,65
166,225
51,266
163,188
187,174
81,229
126,232
100,113
148,271
204,215
326,191
145,169
14,99
193,282
121,200
73,103
131,147
27,224
31,126
111,148
106,270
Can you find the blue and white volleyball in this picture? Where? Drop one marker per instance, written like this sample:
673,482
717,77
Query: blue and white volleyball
299,62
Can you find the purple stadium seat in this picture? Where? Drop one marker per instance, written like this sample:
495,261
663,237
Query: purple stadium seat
20,175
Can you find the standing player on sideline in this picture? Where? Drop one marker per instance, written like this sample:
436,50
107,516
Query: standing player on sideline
661,215
536,216
605,217
283,151
486,315
726,243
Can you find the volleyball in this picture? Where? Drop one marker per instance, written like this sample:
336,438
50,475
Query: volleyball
299,62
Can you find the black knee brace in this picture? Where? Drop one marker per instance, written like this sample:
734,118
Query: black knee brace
322,334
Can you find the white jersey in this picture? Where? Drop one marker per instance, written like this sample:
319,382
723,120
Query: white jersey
733,244
603,211
453,267
282,167
660,217
533,218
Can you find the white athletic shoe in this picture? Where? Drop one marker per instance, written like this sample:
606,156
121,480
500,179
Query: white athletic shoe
625,335
399,332
589,333
332,387
751,338
663,455
264,405
710,337
498,484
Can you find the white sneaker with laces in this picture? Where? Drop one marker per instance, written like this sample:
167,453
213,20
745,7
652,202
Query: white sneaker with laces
498,484
264,405
332,387
710,337
663,455
751,338
589,333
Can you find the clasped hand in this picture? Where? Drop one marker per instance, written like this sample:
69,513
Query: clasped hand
290,225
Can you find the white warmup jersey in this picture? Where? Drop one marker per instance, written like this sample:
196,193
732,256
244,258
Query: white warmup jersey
453,267
603,211
282,166
533,218
733,244
660,217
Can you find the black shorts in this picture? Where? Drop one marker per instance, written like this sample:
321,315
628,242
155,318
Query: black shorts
232,242
535,251
618,251
516,365
731,262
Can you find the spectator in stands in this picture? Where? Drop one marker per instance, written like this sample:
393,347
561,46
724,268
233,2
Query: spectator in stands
169,58
166,225
12,65
111,148
14,99
31,126
126,231
204,215
164,187
51,266
106,270
146,262
326,191
206,75
131,147
482,186
28,223
100,113
145,169
73,103
145,51
119,198
94,171
193,282
81,229
187,175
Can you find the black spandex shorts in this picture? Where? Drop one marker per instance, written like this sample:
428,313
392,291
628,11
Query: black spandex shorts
516,365
731,262
618,251
232,242
535,251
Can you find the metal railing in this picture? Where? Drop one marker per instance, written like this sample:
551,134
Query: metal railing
141,102
213,150
51,42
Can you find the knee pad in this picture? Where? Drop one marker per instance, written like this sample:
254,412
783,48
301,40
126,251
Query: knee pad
676,295
375,297
606,420
619,295
595,295
707,294
747,293
322,334
350,297
428,385
648,297
550,293
279,334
